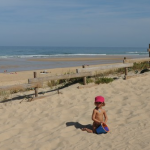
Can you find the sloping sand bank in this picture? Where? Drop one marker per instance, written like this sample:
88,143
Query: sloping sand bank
54,122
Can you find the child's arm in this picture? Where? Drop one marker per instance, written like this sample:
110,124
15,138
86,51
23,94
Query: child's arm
94,117
105,117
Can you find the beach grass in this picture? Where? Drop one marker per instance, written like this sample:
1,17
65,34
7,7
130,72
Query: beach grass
98,78
4,95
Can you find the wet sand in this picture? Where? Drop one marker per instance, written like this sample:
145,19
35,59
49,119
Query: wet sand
23,64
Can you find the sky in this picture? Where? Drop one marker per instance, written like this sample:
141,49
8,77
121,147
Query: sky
81,23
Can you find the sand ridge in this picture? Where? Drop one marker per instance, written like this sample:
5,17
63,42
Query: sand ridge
54,122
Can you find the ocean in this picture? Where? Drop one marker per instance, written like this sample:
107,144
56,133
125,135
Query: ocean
32,51
16,58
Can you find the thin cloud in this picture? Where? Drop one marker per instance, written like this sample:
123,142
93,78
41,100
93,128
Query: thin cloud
91,20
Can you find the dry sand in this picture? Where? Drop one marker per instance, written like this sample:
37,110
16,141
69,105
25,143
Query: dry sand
54,122
11,78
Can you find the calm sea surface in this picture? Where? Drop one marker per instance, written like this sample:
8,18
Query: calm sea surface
14,58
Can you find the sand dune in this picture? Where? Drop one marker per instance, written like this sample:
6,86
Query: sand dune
54,122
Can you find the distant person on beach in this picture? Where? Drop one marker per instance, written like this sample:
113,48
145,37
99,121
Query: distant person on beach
98,114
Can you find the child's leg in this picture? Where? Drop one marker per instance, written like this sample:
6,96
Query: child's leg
95,126
88,130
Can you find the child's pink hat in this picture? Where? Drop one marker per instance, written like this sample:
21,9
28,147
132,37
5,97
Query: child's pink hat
99,99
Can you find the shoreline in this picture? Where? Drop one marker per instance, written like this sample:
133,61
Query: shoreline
21,77
28,64
16,76
80,58
88,58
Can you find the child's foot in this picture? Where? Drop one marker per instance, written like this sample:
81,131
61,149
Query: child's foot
86,129
83,129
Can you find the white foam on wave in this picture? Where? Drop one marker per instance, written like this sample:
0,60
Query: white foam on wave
67,55
55,55
77,54
137,52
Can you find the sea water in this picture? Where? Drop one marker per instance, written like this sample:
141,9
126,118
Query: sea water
16,58
32,51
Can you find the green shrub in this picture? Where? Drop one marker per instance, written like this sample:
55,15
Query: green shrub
140,66
4,95
103,80
52,83
89,80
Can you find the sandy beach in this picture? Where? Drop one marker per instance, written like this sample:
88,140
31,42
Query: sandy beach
12,76
68,68
55,121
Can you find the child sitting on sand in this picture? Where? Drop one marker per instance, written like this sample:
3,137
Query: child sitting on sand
98,114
